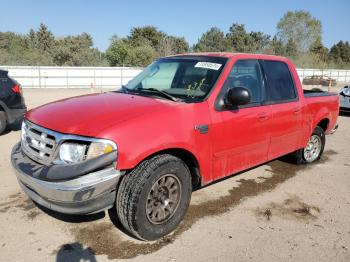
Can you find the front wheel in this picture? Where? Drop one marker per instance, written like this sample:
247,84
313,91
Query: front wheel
154,197
314,148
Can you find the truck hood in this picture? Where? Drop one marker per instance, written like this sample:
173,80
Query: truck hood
90,114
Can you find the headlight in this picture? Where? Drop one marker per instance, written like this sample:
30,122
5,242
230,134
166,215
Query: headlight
73,152
346,90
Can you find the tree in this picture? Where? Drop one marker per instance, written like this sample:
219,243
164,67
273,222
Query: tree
32,39
44,39
147,35
172,45
122,53
259,41
242,41
300,28
117,52
75,51
141,56
319,50
238,38
277,46
340,52
213,40
291,48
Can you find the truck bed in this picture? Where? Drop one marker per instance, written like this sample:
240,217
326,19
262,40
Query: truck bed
316,93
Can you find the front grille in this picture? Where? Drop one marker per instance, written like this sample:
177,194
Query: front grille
38,143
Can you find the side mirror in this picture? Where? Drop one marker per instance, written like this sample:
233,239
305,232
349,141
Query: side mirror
237,96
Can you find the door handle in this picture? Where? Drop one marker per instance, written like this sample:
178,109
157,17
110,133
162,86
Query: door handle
296,110
263,117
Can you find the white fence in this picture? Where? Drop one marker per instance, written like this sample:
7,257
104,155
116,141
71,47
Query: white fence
109,77
341,76
71,77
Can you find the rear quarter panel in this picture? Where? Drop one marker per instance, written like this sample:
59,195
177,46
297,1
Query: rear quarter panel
315,110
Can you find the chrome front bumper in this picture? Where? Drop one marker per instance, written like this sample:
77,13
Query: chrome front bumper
86,194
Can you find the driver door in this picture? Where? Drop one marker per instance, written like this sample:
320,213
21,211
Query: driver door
240,135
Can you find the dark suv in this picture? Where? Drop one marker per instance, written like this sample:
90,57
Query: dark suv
12,106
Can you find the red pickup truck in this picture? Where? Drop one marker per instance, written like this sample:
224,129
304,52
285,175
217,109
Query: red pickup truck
183,122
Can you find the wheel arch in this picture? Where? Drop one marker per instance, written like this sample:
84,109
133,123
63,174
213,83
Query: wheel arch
324,124
187,157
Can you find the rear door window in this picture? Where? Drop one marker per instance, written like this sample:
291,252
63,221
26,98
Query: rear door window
279,81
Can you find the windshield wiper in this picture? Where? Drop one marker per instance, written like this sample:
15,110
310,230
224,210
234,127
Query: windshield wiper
125,89
159,92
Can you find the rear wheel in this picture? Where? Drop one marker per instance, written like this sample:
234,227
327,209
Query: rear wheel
153,198
314,148
3,122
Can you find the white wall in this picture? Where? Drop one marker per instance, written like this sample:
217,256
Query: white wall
108,77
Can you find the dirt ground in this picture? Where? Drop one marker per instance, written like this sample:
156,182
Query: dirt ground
276,212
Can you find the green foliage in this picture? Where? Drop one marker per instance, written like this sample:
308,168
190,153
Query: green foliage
242,41
42,48
142,46
299,27
117,52
212,41
319,50
298,37
340,53
147,35
44,39
171,45
141,55
277,47
291,49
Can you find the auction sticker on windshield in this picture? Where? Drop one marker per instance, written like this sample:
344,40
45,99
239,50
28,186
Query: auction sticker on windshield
208,65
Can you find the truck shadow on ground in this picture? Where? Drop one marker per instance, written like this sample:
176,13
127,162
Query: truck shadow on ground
103,238
72,218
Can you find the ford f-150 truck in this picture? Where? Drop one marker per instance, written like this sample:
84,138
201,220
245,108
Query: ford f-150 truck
183,122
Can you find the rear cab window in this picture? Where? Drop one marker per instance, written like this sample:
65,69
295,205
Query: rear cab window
280,84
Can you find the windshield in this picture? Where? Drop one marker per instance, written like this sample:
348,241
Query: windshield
188,78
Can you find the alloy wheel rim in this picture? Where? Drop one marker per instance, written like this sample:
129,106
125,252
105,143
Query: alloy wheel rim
313,148
163,199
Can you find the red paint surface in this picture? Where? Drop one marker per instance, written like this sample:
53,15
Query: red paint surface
143,126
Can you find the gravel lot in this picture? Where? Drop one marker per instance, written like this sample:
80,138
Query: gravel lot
276,212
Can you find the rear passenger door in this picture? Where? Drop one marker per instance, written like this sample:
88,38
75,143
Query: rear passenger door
282,96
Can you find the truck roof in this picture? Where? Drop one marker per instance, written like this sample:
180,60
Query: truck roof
231,54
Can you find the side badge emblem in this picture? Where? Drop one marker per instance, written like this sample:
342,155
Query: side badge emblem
203,129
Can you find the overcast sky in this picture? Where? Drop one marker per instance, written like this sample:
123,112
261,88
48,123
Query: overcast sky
187,18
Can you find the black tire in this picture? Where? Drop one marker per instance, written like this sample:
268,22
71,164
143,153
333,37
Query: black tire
132,201
299,155
3,122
